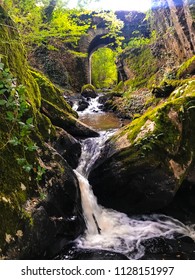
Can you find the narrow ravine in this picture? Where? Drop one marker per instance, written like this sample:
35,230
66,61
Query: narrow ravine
108,229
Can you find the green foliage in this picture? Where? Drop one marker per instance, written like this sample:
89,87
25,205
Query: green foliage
139,40
34,29
114,27
63,23
15,107
104,70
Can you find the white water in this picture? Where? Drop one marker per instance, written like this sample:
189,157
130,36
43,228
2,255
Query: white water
94,106
119,233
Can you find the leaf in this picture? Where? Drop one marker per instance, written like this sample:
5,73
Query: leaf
2,102
29,121
21,161
10,116
31,147
14,141
28,167
22,124
3,90
1,66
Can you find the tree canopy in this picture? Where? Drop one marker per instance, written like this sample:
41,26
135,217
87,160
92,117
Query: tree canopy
39,21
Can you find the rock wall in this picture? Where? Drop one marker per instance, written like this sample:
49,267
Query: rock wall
63,66
174,23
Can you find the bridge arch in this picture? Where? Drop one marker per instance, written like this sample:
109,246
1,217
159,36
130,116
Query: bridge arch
98,42
95,39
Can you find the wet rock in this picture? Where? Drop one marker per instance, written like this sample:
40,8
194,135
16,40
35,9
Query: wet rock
67,146
57,214
73,253
168,249
66,121
83,104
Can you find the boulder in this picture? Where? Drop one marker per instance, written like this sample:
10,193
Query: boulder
66,121
83,104
65,144
40,205
142,166
56,212
88,91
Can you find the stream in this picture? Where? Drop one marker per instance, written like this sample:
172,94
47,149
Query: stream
108,229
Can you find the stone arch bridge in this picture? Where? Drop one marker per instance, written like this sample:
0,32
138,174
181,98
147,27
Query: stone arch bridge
98,38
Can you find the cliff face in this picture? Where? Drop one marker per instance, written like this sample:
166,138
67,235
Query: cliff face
174,22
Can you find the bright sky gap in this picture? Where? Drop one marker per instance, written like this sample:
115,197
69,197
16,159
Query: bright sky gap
117,5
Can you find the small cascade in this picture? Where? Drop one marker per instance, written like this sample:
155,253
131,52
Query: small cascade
91,148
108,229
122,234
93,107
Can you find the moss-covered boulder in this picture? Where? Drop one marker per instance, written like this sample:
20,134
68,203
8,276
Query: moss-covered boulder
88,90
54,106
144,164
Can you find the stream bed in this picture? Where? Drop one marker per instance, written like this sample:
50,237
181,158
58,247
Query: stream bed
113,235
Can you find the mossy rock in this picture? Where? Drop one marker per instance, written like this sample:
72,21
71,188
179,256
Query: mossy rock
144,164
186,69
52,93
141,65
88,90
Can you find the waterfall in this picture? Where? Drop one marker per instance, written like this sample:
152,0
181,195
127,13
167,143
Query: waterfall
119,233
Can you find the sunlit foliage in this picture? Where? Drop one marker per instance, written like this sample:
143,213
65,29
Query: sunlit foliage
104,71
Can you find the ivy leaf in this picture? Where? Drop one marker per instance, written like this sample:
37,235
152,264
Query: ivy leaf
21,161
27,167
2,102
10,116
3,90
29,121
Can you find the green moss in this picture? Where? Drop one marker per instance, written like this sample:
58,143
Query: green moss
171,135
142,65
187,68
10,44
119,87
51,93
88,87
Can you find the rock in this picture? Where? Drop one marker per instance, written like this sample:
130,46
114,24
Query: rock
88,91
67,146
71,252
39,193
163,91
82,105
142,166
57,217
66,121
168,249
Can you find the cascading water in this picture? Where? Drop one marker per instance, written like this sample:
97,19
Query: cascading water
111,230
